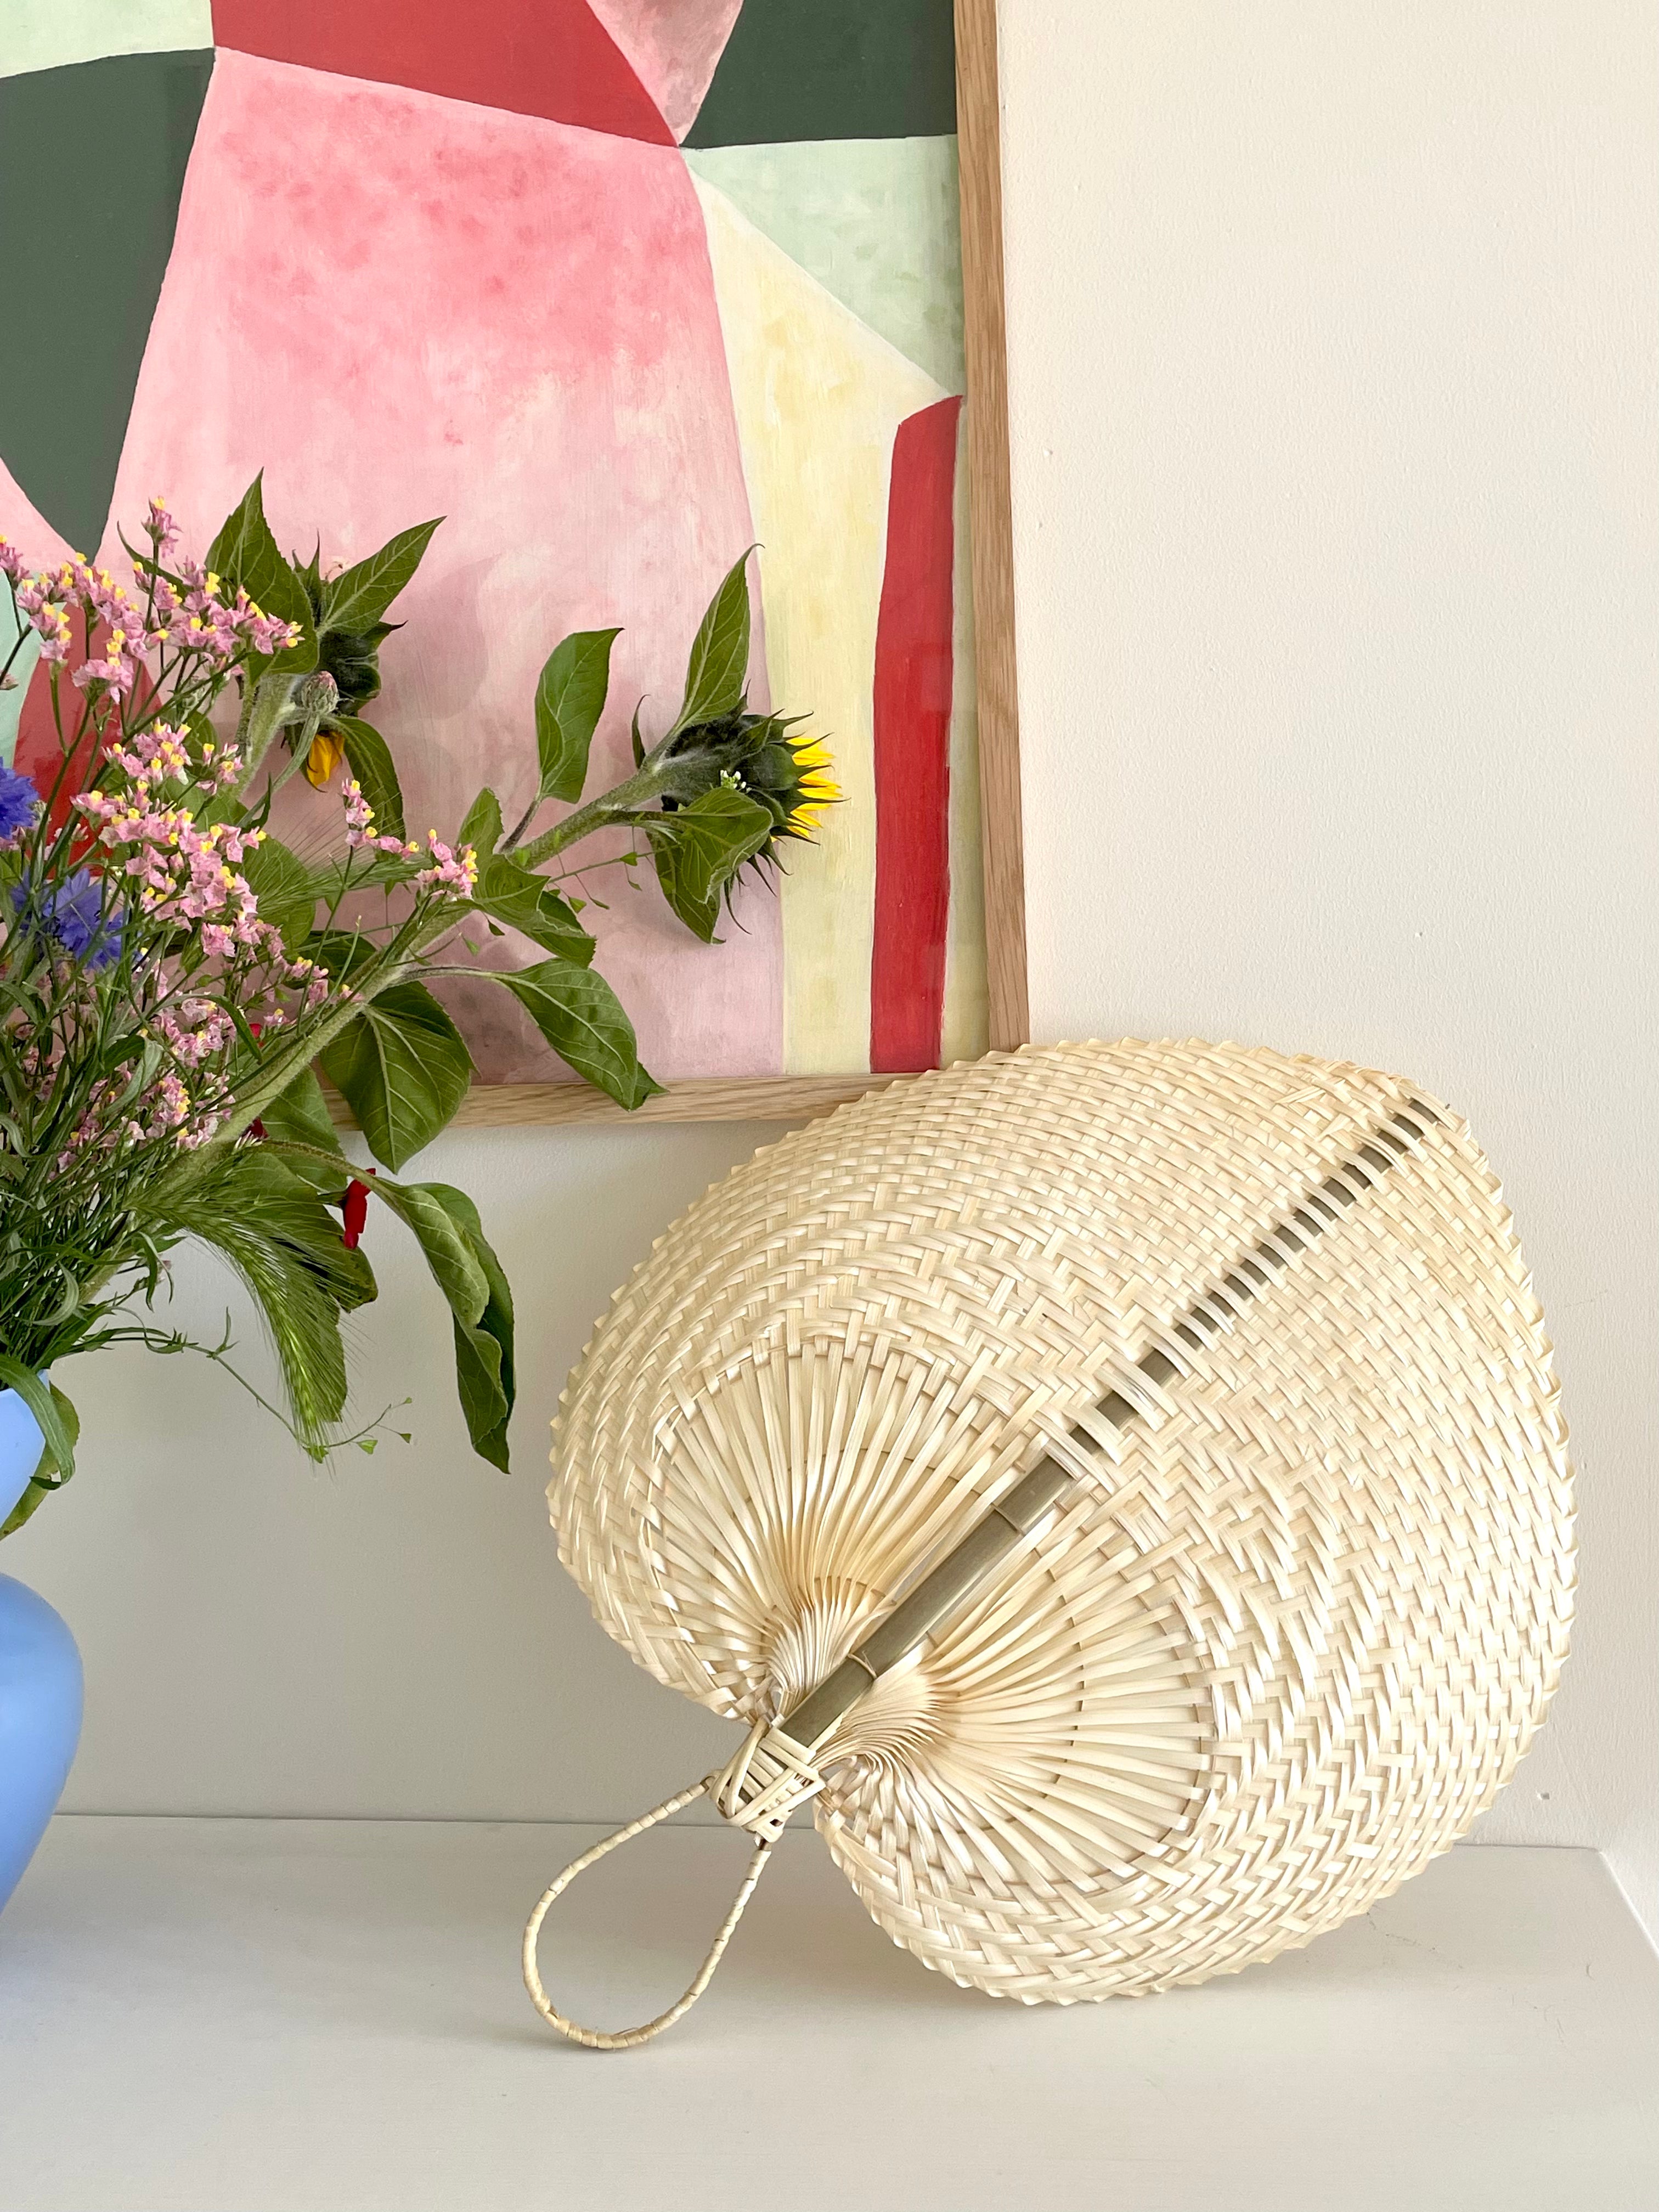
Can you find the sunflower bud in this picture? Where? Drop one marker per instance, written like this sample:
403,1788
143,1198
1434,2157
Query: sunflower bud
790,777
763,756
316,698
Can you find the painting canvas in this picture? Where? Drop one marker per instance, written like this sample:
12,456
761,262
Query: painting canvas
618,288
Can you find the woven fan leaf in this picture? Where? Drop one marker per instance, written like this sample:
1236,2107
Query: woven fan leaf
1284,1635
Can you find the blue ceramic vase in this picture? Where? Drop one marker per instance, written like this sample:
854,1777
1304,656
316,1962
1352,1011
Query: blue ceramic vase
40,1677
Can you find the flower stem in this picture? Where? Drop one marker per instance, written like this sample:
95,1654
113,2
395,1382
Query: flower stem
271,700
627,799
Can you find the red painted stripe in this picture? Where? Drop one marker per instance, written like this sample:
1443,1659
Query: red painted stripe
912,686
556,59
38,755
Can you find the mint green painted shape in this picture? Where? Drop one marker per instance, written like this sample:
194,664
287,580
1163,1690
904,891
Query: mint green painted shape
875,220
15,689
40,35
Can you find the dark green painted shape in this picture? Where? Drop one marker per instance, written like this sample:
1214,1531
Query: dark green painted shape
92,163
832,69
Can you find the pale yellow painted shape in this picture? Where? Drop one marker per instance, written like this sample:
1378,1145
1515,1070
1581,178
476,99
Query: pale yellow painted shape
819,398
38,35
967,1027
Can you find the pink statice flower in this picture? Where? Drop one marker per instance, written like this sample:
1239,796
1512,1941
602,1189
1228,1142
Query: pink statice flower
451,874
48,615
161,529
199,1031
112,671
360,818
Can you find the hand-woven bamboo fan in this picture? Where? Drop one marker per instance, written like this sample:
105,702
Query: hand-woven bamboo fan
1122,1484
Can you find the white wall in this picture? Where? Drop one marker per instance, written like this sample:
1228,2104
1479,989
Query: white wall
1334,334
1336,456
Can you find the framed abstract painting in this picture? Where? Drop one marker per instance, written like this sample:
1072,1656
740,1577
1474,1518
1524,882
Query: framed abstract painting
618,288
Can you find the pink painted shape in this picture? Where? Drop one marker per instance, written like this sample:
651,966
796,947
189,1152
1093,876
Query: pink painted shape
674,46
401,306
27,528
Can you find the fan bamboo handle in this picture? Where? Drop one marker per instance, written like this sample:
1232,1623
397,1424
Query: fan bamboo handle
628,2039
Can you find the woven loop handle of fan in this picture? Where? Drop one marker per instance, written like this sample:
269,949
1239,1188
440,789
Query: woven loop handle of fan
757,1789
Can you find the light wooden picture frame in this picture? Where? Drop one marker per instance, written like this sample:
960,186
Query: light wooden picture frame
816,171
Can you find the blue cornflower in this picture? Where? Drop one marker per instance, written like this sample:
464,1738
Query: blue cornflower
20,802
72,916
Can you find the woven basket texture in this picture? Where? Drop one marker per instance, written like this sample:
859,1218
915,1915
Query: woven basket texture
1288,1634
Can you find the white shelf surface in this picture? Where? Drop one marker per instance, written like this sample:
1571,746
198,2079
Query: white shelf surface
327,2016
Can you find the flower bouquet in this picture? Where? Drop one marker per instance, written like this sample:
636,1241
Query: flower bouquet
174,975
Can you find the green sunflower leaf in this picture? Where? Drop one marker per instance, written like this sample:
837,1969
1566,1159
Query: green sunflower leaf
357,599
718,667
301,1117
245,556
372,764
444,1243
283,886
519,899
481,828
404,1069
570,695
483,1338
699,849
582,1018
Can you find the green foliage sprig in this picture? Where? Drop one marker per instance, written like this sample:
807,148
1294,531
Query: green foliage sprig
173,977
